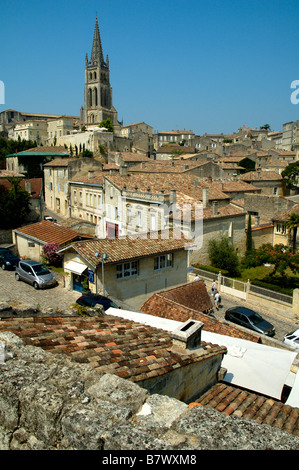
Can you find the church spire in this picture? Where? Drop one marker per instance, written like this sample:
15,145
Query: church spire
97,52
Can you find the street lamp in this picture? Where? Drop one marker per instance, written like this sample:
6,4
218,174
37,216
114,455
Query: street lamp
103,258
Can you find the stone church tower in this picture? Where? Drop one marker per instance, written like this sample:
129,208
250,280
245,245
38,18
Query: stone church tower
98,92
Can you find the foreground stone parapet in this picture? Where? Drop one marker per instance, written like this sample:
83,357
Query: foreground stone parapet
49,402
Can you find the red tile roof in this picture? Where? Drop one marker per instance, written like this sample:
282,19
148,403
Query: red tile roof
49,232
189,301
260,176
97,178
36,185
188,184
127,248
233,401
109,344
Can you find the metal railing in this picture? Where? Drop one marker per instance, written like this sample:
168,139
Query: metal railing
245,287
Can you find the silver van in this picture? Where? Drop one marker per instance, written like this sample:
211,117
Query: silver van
34,273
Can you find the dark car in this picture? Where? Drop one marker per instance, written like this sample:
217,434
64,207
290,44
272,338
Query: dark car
8,259
92,300
249,319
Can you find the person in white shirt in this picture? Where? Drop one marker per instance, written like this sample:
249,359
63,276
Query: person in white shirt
213,287
217,300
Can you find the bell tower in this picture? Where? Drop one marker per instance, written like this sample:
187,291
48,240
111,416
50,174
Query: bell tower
98,92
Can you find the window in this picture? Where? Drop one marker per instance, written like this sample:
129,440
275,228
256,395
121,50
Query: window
153,221
50,186
127,269
129,216
163,261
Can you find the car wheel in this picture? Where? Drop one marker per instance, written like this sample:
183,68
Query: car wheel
3,267
35,285
17,277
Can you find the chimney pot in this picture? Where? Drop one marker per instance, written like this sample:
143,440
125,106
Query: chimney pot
188,336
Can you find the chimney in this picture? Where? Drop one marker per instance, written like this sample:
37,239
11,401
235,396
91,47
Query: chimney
28,186
123,170
90,174
187,336
205,197
215,208
172,196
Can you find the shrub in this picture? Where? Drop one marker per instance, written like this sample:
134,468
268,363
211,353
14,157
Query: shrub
51,256
223,256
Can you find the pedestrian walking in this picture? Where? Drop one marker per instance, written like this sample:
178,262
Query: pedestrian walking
196,278
213,287
217,300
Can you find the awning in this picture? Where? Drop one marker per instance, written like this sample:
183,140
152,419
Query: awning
76,268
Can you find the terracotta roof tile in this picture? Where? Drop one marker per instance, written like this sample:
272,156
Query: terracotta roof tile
127,248
49,232
233,401
188,184
109,344
190,301
36,185
260,176
160,166
97,178
64,161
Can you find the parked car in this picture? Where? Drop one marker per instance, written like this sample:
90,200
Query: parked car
8,259
292,339
49,218
92,300
34,273
249,319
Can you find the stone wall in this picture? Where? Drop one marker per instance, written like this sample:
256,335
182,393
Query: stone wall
48,402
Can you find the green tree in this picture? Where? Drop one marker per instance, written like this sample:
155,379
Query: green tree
108,124
292,225
223,255
14,205
247,164
87,153
266,127
291,174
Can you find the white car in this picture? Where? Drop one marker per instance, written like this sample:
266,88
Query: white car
292,339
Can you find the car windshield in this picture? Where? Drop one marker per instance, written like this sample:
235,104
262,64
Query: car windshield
40,269
255,318
8,254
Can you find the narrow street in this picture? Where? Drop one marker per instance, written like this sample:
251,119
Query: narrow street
282,326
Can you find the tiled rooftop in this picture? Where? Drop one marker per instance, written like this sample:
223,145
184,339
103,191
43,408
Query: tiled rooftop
260,176
188,184
238,402
47,150
126,248
36,185
97,178
109,344
49,232
161,166
189,301
60,161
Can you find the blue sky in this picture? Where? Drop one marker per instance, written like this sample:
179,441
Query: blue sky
209,66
